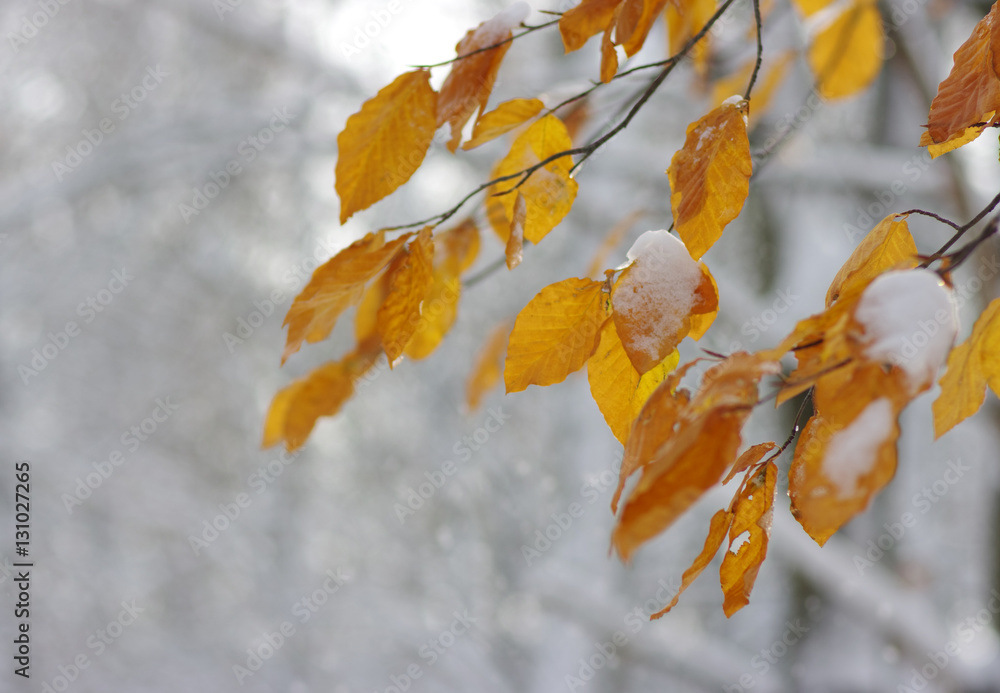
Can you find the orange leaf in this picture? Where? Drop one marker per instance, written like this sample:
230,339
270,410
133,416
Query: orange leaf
503,119
753,510
888,245
971,366
515,239
385,142
554,334
749,458
487,370
470,82
634,22
609,55
587,19
437,314
334,286
710,176
846,55
970,93
549,192
295,409
617,387
655,297
716,533
400,313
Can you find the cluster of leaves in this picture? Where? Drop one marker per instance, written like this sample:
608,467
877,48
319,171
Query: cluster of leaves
678,443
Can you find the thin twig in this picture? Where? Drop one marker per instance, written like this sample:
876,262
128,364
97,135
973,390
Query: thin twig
758,22
949,222
961,231
528,30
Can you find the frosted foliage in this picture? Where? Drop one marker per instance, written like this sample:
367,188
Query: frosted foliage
658,291
852,452
910,320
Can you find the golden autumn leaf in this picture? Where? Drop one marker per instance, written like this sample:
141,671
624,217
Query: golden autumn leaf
487,371
503,119
400,313
554,334
653,426
886,246
635,19
336,285
384,143
470,82
750,457
811,7
847,451
716,534
752,514
970,94
846,55
617,387
366,318
972,365
696,457
514,251
548,193
589,18
656,296
295,409
710,176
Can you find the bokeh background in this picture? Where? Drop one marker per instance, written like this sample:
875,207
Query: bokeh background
99,235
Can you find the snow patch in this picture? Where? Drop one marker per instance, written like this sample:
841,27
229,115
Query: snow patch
910,319
659,291
495,30
852,451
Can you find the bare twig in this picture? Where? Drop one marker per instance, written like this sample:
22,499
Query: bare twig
528,30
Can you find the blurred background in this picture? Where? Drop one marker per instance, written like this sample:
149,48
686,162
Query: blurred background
166,166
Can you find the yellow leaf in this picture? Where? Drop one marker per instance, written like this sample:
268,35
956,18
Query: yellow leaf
749,458
710,176
437,315
811,7
846,56
886,246
587,19
487,370
970,94
470,82
334,286
971,366
549,192
609,55
554,334
503,119
400,313
515,239
616,386
295,409
753,510
385,142
716,533
655,297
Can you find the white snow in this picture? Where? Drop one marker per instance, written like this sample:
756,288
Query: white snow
658,291
495,30
852,451
910,320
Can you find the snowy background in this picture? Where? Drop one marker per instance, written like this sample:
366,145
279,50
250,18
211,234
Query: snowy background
317,574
